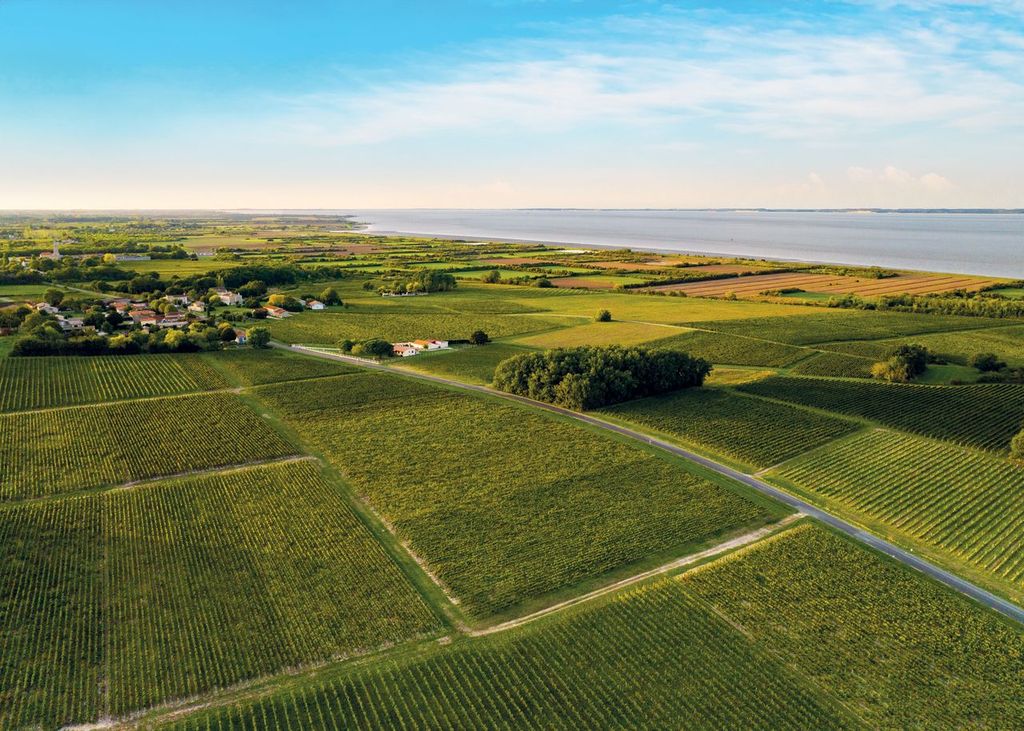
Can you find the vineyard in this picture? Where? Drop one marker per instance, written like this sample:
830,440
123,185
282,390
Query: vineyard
733,350
599,333
473,365
755,432
667,310
1006,342
822,326
966,505
117,601
50,452
399,324
834,365
35,383
258,367
983,416
646,660
897,649
504,503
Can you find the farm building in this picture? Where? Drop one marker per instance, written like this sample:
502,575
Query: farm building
197,307
316,305
404,350
46,307
276,312
227,296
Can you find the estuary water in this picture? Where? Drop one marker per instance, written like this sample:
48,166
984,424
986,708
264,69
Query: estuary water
969,243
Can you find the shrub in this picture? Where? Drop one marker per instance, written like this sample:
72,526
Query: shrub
987,362
604,316
903,364
591,377
479,337
375,348
258,337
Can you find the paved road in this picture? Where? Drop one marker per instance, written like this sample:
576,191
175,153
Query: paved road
908,558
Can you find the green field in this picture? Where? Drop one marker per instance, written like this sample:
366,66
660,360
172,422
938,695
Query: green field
400,324
599,333
834,365
984,416
751,431
958,347
667,310
721,348
257,367
117,601
895,648
473,364
491,494
35,383
654,658
963,506
55,451
824,325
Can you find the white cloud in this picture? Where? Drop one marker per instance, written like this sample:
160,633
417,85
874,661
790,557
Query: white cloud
787,81
898,178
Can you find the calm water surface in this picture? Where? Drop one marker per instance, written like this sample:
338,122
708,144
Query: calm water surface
991,243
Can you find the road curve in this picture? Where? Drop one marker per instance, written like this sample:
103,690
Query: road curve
986,598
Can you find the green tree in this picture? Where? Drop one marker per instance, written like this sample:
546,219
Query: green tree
1017,445
330,297
375,348
53,297
604,316
479,337
492,277
258,336
986,362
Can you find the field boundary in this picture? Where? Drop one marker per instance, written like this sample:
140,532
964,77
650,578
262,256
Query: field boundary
951,580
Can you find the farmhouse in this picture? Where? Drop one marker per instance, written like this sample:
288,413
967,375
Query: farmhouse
430,344
197,307
70,323
276,312
46,307
404,350
140,315
315,305
178,299
227,296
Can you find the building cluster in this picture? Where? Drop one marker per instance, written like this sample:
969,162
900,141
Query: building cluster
415,347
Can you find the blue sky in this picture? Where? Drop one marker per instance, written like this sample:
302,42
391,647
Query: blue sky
510,103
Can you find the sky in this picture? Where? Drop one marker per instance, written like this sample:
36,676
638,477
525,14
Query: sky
510,103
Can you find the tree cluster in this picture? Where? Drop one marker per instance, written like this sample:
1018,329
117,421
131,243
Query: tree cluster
903,365
591,377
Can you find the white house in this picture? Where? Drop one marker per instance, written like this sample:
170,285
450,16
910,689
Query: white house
70,323
47,308
228,297
316,305
197,307
178,299
430,344
276,312
240,337
404,350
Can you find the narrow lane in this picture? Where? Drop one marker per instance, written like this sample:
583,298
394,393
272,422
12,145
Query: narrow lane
982,596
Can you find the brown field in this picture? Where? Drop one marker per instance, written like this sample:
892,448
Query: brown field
831,284
727,268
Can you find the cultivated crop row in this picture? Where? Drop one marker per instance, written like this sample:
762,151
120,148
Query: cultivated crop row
257,367
965,503
835,365
48,452
721,348
830,325
897,649
505,504
33,383
756,432
118,601
984,416
651,659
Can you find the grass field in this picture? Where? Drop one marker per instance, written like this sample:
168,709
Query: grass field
257,367
983,416
753,432
50,452
181,267
731,349
654,658
401,324
964,506
599,333
35,383
895,648
505,504
958,347
821,326
117,601
474,364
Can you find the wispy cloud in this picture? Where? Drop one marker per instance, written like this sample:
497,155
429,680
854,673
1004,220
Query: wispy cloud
784,78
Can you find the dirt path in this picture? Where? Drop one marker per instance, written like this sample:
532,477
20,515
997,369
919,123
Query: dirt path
729,545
